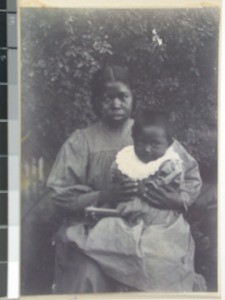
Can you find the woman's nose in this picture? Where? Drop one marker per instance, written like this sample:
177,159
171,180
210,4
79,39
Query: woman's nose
116,103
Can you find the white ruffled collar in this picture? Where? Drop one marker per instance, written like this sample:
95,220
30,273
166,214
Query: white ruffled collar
130,165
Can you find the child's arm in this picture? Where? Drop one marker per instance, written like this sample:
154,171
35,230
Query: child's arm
119,189
170,197
192,183
191,186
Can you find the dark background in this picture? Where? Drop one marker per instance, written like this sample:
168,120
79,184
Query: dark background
61,49
173,60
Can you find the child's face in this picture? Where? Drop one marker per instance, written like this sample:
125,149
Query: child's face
151,143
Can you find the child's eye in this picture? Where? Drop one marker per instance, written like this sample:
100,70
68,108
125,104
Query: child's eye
155,144
140,142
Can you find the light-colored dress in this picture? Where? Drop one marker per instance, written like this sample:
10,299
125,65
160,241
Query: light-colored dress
80,171
154,251
82,167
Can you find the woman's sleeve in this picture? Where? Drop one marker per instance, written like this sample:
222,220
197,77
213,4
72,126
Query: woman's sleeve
68,177
192,183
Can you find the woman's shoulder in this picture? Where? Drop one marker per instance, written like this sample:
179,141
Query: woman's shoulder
79,139
97,137
83,134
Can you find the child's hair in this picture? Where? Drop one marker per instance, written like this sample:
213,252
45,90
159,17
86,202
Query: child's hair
152,117
108,73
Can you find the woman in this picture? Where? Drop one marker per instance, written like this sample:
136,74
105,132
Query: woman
80,178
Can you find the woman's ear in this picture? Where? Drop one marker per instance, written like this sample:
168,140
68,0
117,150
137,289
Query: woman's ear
133,106
97,106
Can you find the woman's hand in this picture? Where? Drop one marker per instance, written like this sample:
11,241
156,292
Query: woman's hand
165,197
60,236
127,189
121,192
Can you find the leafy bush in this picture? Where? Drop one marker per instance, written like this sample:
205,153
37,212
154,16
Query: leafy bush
172,56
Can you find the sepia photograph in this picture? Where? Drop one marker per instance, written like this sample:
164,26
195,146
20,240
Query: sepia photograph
119,118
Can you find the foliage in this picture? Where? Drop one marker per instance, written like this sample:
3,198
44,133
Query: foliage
172,56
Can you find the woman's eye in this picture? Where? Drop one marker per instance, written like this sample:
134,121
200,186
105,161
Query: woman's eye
123,97
107,98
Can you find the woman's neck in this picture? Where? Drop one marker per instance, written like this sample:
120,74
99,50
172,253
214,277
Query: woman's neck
116,127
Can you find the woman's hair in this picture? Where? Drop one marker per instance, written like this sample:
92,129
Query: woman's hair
152,117
108,73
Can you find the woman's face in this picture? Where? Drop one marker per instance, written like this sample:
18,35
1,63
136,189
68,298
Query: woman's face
117,103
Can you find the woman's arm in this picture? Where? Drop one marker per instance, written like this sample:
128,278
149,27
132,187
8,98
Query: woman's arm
168,197
68,176
120,188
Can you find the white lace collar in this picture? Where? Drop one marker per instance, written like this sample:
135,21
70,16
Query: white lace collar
130,165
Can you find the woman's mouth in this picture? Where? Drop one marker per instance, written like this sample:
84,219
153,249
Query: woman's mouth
116,115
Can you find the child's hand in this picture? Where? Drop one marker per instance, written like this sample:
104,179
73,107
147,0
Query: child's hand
127,190
132,210
132,206
117,193
165,197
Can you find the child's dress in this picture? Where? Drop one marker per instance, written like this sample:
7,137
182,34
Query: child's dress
150,249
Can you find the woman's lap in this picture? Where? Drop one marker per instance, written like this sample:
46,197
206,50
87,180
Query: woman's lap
77,273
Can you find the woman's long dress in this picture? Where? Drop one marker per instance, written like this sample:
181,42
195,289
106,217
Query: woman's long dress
155,251
81,170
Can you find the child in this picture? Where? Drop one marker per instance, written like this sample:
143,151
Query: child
147,249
